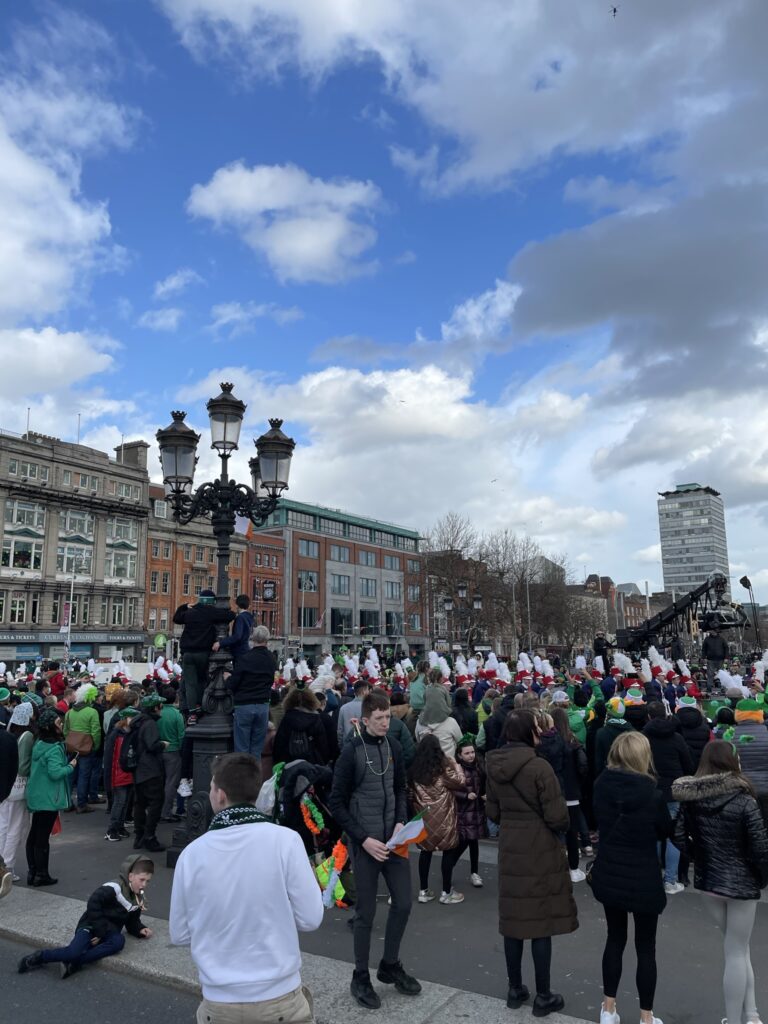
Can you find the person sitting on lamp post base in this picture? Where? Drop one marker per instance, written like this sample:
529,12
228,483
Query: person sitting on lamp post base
196,643
237,643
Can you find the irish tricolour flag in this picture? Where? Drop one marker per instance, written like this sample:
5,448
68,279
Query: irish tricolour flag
412,832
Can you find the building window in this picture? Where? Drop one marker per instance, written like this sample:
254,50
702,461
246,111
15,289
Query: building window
118,611
414,621
165,585
211,556
339,584
257,558
333,526
307,617
187,552
161,509
55,610
155,548
13,467
130,617
22,554
152,620
367,587
309,549
307,580
367,558
124,490
274,561
237,559
74,558
163,619
392,590
2,605
34,609
120,564
339,553
302,520
167,549
369,621
413,565
360,533
85,614
153,579
199,554
394,623
391,562
414,592
73,521
122,528
24,513
185,585
18,607
104,610
211,583
197,585
341,620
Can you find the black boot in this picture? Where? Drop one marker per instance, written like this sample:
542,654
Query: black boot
363,991
543,1005
40,880
394,974
151,844
71,968
138,841
28,962
516,996
30,876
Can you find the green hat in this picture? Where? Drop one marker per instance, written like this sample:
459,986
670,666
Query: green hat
686,702
634,695
614,708
5,694
32,698
152,700
128,713
749,705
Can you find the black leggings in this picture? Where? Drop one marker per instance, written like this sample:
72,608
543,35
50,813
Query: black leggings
541,950
38,847
645,947
446,865
455,855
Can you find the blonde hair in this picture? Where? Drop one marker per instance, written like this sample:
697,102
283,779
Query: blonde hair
543,721
631,752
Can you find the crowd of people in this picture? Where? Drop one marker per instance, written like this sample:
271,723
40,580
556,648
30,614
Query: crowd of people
623,775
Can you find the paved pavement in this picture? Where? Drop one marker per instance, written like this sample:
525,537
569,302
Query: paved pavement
459,946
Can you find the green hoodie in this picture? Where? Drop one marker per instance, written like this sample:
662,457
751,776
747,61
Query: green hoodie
170,725
84,718
48,786
417,693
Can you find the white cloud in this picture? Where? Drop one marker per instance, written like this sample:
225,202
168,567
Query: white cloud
307,229
649,556
483,318
176,283
48,360
236,318
167,319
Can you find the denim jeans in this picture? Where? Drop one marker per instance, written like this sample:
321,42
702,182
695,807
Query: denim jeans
80,951
251,722
120,795
672,855
88,777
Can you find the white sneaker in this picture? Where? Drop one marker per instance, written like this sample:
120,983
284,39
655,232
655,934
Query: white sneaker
185,788
609,1018
577,875
671,889
451,897
476,880
425,895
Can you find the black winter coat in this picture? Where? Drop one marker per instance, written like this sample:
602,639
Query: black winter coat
9,763
150,749
632,816
553,748
671,756
714,648
637,716
464,714
313,741
199,622
494,726
694,729
109,911
254,675
721,826
575,770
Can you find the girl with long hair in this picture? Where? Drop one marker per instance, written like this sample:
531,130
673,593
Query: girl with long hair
575,770
632,817
433,779
48,793
720,826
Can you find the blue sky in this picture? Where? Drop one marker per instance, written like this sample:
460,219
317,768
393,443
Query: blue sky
500,259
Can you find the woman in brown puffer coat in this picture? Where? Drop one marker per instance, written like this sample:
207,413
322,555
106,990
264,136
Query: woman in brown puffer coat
433,779
535,894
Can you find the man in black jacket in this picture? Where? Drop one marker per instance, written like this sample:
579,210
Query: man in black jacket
672,760
196,643
369,802
251,685
9,763
237,643
149,777
715,650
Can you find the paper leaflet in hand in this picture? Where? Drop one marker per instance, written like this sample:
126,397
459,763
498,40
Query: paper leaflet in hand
413,831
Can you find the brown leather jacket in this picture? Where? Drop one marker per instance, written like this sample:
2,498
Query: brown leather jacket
439,805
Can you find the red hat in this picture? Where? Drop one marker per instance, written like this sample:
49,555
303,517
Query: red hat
615,671
670,676
596,674
656,671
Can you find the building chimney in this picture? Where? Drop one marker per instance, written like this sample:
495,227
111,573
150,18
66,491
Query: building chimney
132,453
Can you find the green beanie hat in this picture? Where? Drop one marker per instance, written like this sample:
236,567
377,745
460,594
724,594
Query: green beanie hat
686,702
614,708
5,694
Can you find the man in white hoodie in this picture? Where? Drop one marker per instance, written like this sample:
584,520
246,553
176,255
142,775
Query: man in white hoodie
241,894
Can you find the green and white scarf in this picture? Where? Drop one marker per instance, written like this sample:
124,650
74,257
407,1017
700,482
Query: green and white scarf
239,814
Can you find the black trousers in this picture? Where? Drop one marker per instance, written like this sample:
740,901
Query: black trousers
446,866
645,947
147,805
397,875
541,950
455,854
38,841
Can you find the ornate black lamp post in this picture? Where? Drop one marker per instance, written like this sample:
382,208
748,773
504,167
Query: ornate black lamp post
221,501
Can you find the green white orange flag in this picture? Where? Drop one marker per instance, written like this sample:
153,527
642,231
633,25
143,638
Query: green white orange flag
412,832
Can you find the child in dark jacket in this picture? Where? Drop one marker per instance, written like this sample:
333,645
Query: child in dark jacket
120,781
470,809
99,932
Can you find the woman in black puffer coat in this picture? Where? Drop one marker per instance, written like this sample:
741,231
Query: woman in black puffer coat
720,823
694,728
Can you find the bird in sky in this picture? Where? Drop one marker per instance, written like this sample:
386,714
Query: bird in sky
614,11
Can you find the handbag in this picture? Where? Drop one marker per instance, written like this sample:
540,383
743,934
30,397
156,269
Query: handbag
19,788
79,742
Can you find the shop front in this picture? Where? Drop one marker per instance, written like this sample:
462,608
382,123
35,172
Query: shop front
17,646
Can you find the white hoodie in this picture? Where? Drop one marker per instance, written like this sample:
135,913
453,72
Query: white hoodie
240,896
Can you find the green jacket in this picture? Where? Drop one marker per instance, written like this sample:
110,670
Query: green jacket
577,722
26,743
417,693
84,718
48,786
171,727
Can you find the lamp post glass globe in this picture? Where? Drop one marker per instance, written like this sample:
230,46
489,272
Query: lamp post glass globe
258,487
275,451
462,590
225,413
477,602
178,454
448,604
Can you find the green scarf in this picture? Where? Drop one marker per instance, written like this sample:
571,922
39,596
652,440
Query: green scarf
239,814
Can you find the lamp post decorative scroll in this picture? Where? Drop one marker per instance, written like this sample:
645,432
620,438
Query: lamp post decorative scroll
221,501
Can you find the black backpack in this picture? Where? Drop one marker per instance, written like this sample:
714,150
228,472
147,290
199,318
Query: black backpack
301,746
129,751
